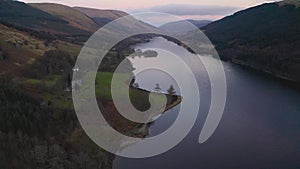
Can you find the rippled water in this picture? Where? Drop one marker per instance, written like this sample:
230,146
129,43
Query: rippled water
260,127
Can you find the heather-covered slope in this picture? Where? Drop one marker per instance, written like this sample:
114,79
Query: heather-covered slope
74,17
23,16
101,17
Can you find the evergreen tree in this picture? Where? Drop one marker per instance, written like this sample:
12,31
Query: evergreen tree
171,90
157,88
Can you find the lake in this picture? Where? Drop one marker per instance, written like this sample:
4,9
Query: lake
260,127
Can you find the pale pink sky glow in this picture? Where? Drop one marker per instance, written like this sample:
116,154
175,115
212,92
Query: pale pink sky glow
128,5
186,9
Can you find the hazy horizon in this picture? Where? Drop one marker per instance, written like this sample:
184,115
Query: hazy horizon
187,9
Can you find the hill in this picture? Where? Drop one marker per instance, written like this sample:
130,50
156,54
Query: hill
180,26
199,23
23,16
74,17
101,17
265,37
37,118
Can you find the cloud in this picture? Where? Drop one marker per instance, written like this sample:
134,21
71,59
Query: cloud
184,9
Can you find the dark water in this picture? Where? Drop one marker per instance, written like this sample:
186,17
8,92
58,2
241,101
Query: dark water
260,127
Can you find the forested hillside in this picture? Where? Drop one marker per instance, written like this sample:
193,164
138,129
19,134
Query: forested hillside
264,37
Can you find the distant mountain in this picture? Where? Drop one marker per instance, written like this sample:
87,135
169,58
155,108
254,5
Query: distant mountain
181,26
265,37
74,17
101,17
199,23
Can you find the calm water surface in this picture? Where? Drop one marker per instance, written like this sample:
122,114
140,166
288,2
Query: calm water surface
260,128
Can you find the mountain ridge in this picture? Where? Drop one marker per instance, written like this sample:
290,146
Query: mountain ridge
183,25
101,17
74,17
264,37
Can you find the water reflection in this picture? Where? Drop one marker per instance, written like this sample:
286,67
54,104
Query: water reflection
260,127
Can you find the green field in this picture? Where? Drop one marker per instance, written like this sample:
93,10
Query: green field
139,98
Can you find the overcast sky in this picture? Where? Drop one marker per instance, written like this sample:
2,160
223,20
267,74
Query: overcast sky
138,4
192,9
